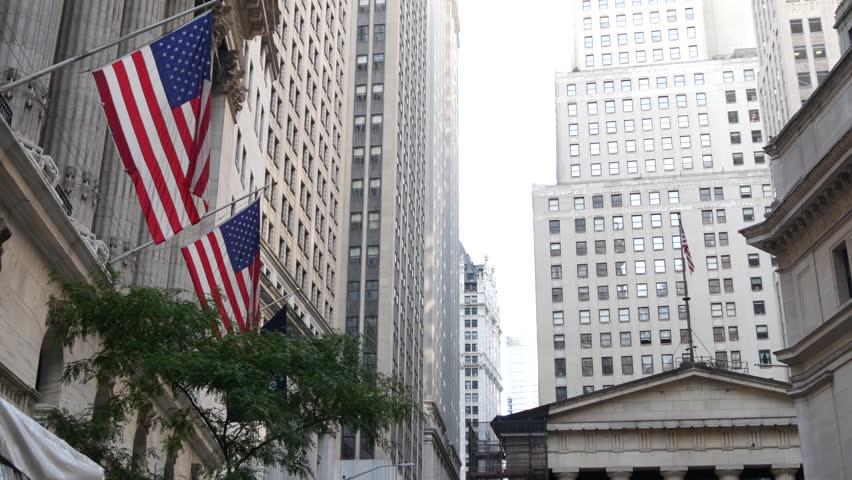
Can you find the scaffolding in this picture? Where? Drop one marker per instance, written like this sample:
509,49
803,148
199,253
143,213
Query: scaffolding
519,451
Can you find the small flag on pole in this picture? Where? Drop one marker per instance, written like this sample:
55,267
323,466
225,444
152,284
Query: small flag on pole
157,104
225,265
687,255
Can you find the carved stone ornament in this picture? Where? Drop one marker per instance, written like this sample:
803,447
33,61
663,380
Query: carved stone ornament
228,72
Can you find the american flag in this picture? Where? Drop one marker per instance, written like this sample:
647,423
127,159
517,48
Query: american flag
685,246
157,104
225,265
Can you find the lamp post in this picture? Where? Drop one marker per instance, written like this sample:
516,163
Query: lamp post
404,465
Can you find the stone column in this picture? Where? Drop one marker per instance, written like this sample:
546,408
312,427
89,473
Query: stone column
76,129
728,473
28,44
118,217
678,474
785,472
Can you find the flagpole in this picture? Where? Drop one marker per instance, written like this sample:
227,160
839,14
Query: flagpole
272,303
208,214
97,49
683,268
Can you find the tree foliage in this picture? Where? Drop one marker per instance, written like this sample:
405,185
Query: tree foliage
153,342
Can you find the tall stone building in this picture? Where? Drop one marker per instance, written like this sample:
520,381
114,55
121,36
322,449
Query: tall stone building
441,448
402,202
657,125
480,344
810,231
277,119
796,48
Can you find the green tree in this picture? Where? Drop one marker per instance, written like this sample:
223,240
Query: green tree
272,391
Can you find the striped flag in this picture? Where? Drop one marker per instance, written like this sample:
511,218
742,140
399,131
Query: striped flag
685,246
157,104
225,265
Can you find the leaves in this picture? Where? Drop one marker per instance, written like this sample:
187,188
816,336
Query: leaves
153,341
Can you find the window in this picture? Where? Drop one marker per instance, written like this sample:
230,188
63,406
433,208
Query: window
587,366
764,357
556,272
748,214
759,307
618,245
819,51
554,227
556,294
736,138
712,263
585,340
606,365
582,270
555,249
674,196
663,313
559,342
580,225
721,216
800,52
647,364
600,247
756,136
623,315
606,340
716,310
639,267
754,260
638,244
603,317
558,317
728,76
571,89
842,272
583,294
592,108
559,367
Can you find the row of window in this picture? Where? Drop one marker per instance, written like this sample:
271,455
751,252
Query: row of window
626,338
641,56
687,163
717,310
604,4
638,37
638,18
644,83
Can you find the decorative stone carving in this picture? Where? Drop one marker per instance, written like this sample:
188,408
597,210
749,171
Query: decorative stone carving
729,474
228,71
673,474
98,247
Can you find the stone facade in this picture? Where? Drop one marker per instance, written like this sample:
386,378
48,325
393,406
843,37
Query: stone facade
696,421
810,231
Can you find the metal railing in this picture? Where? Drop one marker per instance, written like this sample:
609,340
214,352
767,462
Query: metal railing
5,110
710,362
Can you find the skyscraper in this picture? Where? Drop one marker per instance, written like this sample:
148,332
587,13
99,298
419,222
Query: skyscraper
479,347
658,124
796,47
519,377
401,234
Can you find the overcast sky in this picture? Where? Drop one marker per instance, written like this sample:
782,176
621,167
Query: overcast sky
509,53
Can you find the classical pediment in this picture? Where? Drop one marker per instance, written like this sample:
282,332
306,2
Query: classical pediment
691,397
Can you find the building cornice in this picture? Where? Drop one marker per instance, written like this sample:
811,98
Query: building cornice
820,198
669,424
38,212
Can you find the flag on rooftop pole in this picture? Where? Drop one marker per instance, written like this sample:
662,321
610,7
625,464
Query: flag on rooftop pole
157,104
225,265
687,255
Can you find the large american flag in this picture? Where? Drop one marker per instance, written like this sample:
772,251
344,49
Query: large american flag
157,104
685,246
225,265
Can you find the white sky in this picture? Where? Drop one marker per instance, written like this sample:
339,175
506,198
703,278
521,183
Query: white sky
509,52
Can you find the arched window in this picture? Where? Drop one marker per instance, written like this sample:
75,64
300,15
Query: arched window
50,365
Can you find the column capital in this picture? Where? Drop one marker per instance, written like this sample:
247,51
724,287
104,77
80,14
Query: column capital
619,474
785,472
728,473
673,474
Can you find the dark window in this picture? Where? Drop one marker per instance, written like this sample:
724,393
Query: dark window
762,332
556,272
559,367
554,226
606,365
842,272
561,393
796,26
627,365
759,307
814,25
556,295
588,367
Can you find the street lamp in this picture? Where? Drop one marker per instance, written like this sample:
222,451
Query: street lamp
404,465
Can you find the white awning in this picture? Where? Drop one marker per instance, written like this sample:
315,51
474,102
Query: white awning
39,454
